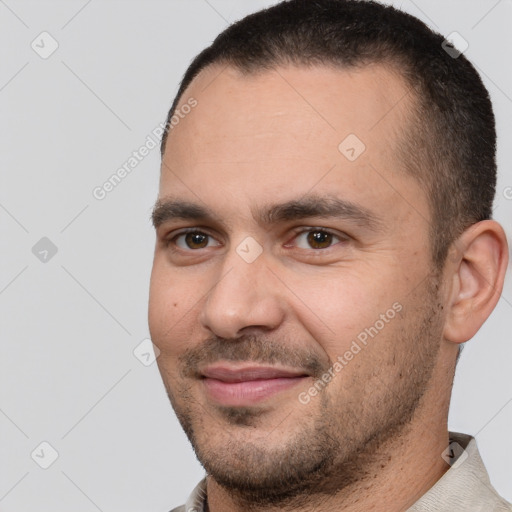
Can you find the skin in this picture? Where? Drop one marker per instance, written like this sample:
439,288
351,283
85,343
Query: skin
372,439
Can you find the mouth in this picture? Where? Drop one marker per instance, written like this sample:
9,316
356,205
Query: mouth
244,385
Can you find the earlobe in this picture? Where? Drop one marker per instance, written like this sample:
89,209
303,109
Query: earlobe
478,275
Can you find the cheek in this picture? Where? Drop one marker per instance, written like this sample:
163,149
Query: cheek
338,308
158,303
167,312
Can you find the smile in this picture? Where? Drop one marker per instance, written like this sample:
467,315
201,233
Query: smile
242,386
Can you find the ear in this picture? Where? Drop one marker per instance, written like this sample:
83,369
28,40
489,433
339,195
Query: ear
477,267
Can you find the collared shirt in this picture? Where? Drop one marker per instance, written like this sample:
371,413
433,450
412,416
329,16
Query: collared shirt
464,487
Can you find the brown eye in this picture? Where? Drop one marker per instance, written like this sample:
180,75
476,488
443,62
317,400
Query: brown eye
196,240
319,239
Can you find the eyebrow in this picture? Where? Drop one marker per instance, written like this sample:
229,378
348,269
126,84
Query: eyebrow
308,206
319,206
167,210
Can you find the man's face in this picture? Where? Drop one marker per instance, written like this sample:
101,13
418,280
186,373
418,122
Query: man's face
290,296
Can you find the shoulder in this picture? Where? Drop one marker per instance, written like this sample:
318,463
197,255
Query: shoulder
465,486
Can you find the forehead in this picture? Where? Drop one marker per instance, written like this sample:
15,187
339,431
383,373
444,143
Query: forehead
285,131
370,101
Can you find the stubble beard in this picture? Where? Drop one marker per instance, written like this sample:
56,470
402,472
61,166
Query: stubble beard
333,444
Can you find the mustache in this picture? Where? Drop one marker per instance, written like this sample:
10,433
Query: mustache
252,349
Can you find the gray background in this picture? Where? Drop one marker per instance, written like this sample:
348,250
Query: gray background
70,324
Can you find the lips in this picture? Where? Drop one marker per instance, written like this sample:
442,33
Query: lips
244,385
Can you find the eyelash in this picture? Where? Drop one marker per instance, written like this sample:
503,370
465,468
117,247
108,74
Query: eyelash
172,239
340,237
325,231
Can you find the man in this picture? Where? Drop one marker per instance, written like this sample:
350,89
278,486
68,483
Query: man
324,247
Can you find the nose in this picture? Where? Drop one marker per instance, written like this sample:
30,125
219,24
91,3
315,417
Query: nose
244,298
